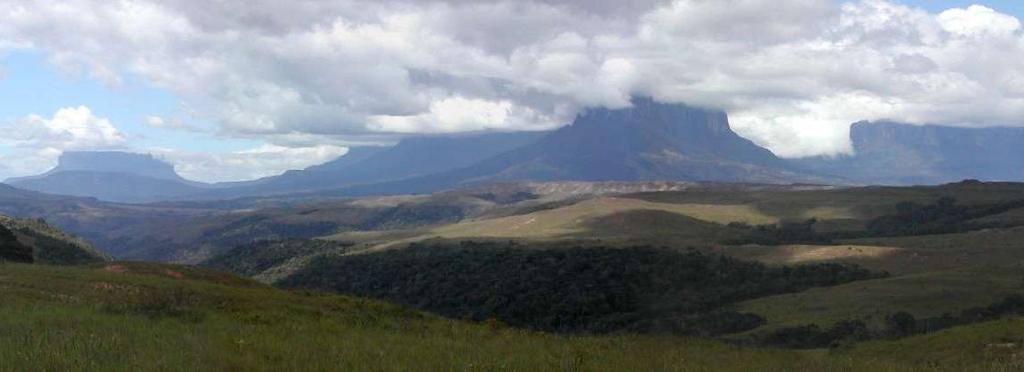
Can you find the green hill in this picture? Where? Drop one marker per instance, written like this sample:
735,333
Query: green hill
123,316
42,243
11,249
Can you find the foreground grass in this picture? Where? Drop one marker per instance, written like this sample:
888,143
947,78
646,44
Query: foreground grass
150,317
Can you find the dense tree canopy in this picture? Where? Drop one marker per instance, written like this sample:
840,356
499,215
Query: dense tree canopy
591,290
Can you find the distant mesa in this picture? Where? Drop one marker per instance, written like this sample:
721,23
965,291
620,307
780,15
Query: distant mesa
893,153
648,141
116,162
111,176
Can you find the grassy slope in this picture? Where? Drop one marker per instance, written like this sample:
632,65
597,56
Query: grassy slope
858,203
1013,217
836,209
575,221
994,247
615,219
923,295
100,318
51,245
904,255
960,348
934,274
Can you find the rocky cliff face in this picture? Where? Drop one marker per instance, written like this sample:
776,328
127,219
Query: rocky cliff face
649,141
902,154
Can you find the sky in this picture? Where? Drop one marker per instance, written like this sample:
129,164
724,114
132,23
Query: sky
236,89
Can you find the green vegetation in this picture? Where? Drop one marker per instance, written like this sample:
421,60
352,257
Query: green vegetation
541,262
105,317
779,234
934,273
11,249
33,240
994,248
589,290
910,219
923,295
943,217
897,325
253,259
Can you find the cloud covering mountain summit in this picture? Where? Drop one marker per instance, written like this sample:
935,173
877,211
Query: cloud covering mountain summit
791,74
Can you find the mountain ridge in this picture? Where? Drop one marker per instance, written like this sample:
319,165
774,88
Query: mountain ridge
411,157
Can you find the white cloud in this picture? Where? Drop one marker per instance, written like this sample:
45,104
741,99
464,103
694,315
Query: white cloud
37,141
459,114
171,124
263,161
71,128
978,20
794,74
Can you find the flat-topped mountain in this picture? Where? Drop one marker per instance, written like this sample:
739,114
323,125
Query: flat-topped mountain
647,141
111,176
116,162
903,154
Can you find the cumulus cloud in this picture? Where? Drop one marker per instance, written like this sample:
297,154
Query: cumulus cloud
793,74
71,128
263,161
978,20
38,141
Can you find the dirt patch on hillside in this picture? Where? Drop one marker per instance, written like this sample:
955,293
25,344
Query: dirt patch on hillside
120,269
800,254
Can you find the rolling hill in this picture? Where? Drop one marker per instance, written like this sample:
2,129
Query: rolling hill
118,316
35,241
577,235
930,274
